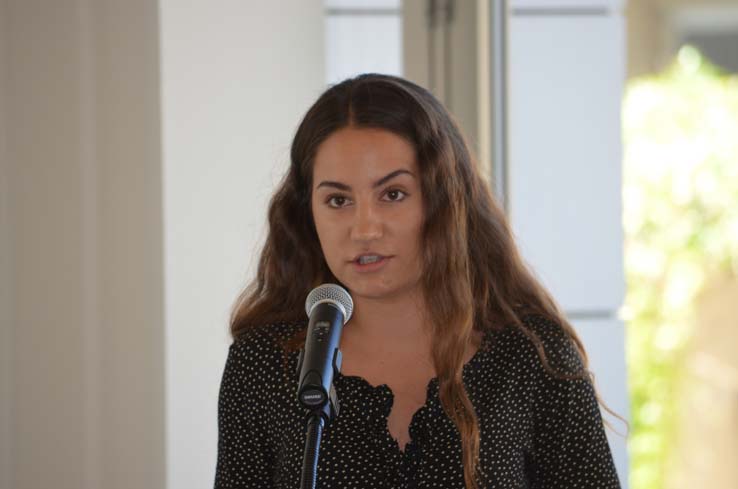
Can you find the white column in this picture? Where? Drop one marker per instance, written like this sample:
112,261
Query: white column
567,69
80,222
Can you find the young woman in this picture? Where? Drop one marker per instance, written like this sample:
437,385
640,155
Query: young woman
459,370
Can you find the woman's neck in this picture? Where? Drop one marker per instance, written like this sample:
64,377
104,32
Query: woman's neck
399,321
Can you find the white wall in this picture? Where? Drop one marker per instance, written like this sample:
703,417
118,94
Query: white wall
138,145
362,36
236,79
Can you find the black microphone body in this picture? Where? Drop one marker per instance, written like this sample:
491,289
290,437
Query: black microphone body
321,357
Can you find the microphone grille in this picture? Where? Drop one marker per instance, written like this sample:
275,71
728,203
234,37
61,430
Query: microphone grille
332,293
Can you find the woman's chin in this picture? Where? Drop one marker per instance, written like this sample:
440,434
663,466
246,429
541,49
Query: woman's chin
377,291
367,290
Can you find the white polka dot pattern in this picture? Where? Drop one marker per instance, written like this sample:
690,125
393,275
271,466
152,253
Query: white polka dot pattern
537,431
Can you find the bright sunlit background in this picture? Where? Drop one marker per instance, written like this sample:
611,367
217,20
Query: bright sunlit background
680,218
680,194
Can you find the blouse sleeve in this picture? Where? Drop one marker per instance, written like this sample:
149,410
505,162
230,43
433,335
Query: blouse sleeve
244,460
570,448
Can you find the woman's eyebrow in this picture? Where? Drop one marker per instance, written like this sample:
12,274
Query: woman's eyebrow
378,183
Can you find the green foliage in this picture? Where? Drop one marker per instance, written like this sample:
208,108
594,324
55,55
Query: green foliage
680,196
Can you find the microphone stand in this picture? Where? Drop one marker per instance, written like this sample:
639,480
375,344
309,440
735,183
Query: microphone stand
316,420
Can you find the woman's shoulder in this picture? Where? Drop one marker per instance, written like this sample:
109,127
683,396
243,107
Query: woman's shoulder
541,334
263,343
269,332
256,357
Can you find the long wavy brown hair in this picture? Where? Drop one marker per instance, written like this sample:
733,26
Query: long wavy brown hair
474,276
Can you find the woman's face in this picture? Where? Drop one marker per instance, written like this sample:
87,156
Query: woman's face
368,211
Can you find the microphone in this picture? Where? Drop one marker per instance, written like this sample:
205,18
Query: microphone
329,308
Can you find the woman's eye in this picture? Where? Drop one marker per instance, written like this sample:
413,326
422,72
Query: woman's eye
396,195
336,201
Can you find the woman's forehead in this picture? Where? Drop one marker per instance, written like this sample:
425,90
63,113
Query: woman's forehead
363,154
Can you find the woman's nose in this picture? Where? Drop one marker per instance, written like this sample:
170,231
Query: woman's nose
367,223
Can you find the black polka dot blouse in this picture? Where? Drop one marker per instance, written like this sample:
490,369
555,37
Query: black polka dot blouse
537,431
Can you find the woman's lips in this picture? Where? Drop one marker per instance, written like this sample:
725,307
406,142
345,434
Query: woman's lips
371,267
